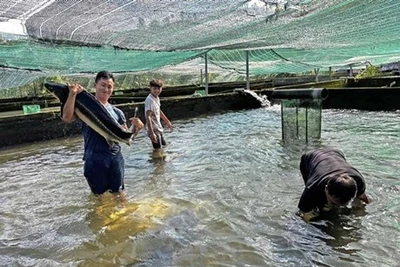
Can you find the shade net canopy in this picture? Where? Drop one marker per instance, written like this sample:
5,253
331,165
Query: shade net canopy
40,38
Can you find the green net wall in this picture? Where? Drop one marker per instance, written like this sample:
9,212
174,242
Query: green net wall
301,120
261,61
69,59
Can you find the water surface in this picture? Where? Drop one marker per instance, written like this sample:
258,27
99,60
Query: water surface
225,195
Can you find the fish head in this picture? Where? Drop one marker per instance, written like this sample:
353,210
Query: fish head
60,90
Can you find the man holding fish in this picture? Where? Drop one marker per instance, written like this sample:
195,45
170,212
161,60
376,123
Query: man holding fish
104,163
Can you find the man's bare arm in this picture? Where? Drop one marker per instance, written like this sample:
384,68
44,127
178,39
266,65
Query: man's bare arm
68,114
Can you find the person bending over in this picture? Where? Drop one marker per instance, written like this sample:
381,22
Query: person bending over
330,181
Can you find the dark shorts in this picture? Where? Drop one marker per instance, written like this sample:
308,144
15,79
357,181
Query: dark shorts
105,173
161,141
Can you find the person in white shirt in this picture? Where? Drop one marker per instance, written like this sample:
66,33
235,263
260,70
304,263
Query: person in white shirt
154,114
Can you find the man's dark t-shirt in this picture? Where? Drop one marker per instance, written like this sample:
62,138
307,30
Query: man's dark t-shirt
95,144
317,167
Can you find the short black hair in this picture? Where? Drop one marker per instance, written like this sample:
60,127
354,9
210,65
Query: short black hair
342,187
156,83
104,75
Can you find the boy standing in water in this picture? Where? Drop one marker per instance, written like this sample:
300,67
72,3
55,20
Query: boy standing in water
154,114
104,164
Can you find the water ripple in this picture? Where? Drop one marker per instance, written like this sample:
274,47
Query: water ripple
224,195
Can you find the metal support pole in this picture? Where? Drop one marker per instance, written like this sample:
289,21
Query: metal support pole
35,91
316,70
247,71
307,123
282,120
398,68
320,118
297,117
206,73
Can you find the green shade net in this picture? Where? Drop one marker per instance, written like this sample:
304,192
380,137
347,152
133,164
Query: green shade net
67,59
260,61
27,60
48,37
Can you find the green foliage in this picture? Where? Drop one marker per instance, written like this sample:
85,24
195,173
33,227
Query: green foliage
58,79
370,71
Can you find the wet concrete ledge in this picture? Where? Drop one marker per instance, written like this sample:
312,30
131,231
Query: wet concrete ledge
363,98
47,125
367,98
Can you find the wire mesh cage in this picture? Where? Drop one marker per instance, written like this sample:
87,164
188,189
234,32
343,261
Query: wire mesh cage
301,120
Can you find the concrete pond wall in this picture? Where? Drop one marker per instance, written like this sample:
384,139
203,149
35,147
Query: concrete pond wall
363,98
46,125
350,93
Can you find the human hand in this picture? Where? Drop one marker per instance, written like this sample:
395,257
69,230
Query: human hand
153,137
75,88
136,122
170,126
308,216
364,198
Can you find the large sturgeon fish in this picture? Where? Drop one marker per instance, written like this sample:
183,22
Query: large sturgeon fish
93,113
